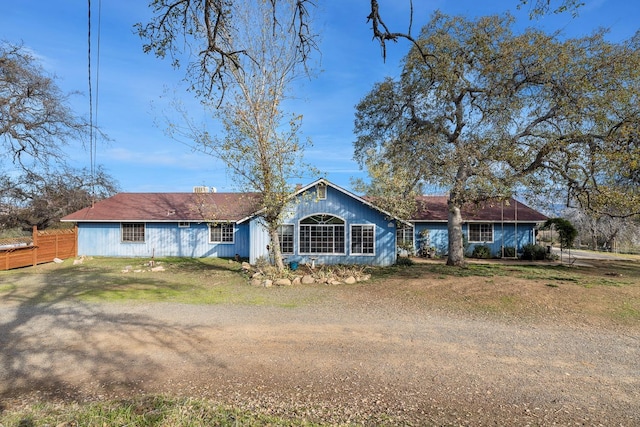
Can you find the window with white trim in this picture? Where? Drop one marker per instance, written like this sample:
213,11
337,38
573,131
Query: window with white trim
322,234
363,239
132,232
285,235
404,236
321,190
480,233
221,233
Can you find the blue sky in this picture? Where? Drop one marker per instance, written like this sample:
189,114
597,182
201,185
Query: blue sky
133,88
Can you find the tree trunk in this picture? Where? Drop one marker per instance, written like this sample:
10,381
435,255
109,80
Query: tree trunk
456,245
594,235
275,248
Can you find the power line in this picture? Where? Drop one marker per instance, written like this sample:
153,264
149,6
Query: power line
92,123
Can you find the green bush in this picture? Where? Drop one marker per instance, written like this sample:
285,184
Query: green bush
509,252
481,251
534,252
404,261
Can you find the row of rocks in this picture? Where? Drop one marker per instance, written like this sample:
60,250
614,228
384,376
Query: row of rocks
326,277
149,266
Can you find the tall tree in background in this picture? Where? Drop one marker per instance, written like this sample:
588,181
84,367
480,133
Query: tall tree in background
36,121
177,21
42,198
36,126
490,111
244,88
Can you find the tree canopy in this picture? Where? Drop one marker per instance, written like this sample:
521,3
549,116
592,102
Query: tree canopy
260,144
203,28
42,198
35,118
494,110
36,125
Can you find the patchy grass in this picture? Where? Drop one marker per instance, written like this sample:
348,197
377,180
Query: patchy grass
604,294
147,411
607,293
114,280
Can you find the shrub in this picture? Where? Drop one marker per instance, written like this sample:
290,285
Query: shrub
481,251
404,261
509,252
534,252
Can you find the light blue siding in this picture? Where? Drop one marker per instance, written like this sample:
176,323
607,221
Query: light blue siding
259,237
511,235
507,235
349,209
434,234
161,240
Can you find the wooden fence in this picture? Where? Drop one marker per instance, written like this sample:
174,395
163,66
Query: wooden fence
44,246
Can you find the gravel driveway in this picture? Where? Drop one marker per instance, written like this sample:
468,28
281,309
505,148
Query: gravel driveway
347,360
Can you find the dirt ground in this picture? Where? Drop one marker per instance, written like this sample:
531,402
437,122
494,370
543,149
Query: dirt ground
393,352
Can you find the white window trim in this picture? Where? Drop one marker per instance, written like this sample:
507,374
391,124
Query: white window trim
493,232
322,187
293,234
343,225
184,224
351,239
144,228
406,230
221,225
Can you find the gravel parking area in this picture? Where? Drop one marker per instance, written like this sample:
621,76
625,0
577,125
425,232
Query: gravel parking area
354,359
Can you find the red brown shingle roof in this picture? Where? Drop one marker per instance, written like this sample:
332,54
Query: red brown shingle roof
434,208
174,207
163,207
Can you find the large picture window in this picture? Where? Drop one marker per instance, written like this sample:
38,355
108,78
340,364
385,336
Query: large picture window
363,239
221,233
480,233
285,235
322,234
132,232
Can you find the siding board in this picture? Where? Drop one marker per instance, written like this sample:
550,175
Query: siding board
339,204
161,240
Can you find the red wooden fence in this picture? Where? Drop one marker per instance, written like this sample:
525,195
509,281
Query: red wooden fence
44,246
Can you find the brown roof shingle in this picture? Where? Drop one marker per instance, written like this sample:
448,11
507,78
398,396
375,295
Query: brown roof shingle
434,208
173,207
158,207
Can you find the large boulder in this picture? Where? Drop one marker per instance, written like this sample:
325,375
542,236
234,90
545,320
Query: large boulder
282,282
308,279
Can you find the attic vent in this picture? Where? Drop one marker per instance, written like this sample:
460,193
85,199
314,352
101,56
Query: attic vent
201,189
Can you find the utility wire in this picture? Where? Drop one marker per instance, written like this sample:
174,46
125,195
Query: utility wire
93,135
90,94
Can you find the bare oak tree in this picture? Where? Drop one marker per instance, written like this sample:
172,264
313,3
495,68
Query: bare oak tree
177,23
41,198
264,54
35,118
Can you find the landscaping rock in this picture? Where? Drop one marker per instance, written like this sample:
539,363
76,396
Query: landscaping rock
267,283
296,281
308,279
282,282
350,280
